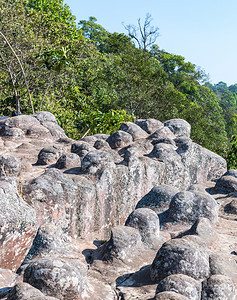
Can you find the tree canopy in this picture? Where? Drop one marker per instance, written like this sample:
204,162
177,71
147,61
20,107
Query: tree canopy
93,80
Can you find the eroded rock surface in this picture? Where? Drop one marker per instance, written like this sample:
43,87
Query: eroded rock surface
133,177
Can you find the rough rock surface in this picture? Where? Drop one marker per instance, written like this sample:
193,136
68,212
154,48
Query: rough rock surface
187,255
204,229
9,166
159,198
179,127
24,291
189,206
57,278
124,244
218,287
18,225
170,296
147,222
75,206
136,131
181,284
119,139
67,161
149,125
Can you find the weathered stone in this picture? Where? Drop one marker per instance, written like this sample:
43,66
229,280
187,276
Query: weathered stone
187,255
223,265
96,160
170,296
23,122
7,280
101,145
179,127
141,147
147,222
189,206
119,139
50,240
164,141
54,197
183,143
81,148
149,125
49,121
227,183
201,165
90,139
101,136
14,133
218,287
136,131
124,244
181,284
57,278
24,291
10,166
48,155
231,207
161,133
68,160
175,172
204,229
18,225
158,199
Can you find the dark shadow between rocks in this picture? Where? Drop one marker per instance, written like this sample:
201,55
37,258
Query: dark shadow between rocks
4,292
75,171
137,279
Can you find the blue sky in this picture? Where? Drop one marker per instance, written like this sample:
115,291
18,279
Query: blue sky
203,31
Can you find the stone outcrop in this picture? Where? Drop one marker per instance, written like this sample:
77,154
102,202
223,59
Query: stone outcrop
139,193
187,255
18,225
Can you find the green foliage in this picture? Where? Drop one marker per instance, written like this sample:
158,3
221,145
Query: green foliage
231,156
94,80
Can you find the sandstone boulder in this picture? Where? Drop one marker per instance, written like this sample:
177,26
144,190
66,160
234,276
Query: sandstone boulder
179,127
136,131
81,148
102,145
49,121
218,287
18,225
181,284
57,278
10,166
147,222
149,125
124,244
24,291
158,199
96,160
119,139
161,133
189,206
187,255
67,161
170,296
49,155
227,184
204,229
223,265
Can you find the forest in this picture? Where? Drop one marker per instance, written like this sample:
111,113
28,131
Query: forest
92,80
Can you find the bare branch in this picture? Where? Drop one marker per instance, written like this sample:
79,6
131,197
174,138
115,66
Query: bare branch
22,69
145,35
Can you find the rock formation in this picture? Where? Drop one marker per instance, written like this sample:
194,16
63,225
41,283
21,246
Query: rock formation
160,209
